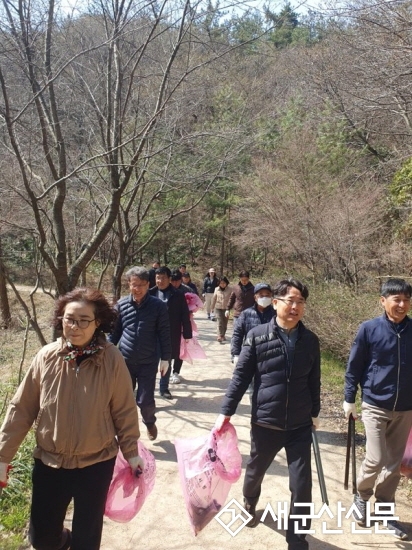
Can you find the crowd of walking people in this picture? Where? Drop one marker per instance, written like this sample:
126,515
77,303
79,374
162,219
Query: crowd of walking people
104,368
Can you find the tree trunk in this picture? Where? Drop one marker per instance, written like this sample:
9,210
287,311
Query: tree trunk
5,315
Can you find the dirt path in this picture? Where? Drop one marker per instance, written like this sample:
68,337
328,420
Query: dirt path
163,524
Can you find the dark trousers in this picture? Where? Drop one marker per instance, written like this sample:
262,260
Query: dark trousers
53,489
144,376
164,380
265,444
177,365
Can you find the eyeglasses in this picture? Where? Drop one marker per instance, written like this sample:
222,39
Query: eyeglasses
290,303
81,323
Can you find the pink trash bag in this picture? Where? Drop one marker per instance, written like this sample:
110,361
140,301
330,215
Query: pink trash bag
406,464
127,492
191,350
208,465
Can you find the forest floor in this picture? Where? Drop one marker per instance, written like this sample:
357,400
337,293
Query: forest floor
163,523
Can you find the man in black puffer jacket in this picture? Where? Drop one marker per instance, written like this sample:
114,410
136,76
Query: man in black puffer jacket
283,357
142,331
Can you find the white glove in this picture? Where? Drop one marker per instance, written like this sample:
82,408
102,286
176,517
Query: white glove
163,367
227,313
221,420
350,409
235,359
136,464
3,473
316,422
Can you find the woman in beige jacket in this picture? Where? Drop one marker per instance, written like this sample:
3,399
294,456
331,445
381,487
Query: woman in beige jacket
219,304
78,394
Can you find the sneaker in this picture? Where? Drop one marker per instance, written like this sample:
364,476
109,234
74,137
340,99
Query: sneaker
251,509
398,530
360,515
166,394
208,316
175,378
151,431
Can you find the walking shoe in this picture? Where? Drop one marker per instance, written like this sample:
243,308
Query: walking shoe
151,431
166,394
398,530
175,378
219,338
251,509
360,504
208,316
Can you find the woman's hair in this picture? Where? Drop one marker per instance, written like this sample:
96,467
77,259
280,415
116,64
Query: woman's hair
224,279
103,311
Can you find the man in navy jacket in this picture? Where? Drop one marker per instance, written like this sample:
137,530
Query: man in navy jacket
380,362
179,319
142,328
283,357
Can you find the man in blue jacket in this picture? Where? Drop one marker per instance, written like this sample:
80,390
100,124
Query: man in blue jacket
142,328
261,312
380,362
179,320
283,356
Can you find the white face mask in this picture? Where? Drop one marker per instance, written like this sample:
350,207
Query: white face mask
265,301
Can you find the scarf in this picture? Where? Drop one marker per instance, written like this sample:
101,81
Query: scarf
74,352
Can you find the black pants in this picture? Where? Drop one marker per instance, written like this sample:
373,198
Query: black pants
53,489
265,444
177,365
145,378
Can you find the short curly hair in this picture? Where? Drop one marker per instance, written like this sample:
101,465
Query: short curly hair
103,311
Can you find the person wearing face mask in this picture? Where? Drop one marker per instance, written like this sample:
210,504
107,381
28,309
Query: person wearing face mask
261,312
219,304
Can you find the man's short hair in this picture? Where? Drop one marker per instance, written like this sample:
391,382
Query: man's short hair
141,272
396,286
244,273
281,288
182,265
163,271
185,275
176,275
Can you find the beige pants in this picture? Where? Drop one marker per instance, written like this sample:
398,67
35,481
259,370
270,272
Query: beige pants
208,302
386,436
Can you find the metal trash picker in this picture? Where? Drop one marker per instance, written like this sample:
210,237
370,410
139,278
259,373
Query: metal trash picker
350,453
319,468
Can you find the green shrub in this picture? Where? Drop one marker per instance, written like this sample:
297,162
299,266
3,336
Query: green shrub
334,313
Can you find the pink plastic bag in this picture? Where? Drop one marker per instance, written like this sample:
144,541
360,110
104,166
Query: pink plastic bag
406,464
191,350
127,492
208,465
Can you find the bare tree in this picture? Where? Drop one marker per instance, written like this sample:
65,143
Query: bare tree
94,110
